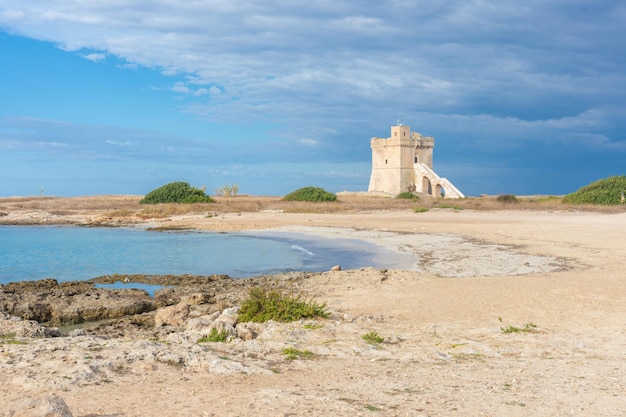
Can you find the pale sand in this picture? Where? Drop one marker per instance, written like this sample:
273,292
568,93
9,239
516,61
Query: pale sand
446,354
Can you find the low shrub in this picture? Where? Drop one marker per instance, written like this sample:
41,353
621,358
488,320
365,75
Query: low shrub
408,196
420,209
528,328
507,198
215,336
293,354
373,338
313,194
607,191
264,304
176,192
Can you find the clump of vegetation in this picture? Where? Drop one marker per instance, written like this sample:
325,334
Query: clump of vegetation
420,209
293,353
313,194
227,190
263,304
215,336
607,191
373,338
507,198
449,206
528,328
9,339
176,192
408,196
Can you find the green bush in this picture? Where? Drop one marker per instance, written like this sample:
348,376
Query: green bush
176,192
507,198
293,353
215,336
373,338
607,191
408,195
314,194
263,304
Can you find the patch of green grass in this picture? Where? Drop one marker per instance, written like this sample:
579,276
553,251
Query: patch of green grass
420,209
371,407
373,338
264,304
528,328
215,336
293,353
9,339
313,326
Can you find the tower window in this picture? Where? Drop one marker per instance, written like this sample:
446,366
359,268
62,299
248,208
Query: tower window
385,161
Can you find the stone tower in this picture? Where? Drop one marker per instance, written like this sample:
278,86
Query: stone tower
404,162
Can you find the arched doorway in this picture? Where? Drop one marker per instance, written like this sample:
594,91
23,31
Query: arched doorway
427,186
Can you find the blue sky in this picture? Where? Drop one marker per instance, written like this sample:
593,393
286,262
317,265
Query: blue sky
111,97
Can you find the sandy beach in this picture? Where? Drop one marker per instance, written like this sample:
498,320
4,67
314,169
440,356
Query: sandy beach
557,276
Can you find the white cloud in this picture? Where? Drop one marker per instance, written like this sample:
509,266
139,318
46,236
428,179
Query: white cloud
118,143
308,142
180,87
95,57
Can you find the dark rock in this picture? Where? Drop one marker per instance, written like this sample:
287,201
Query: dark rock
55,304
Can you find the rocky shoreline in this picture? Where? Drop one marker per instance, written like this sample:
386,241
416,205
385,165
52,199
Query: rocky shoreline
53,305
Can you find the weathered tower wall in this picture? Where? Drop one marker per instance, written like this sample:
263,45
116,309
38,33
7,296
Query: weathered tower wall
404,162
393,159
424,149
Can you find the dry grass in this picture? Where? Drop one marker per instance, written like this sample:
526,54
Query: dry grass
71,204
128,206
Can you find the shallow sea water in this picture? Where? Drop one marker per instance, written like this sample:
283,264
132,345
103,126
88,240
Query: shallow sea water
80,253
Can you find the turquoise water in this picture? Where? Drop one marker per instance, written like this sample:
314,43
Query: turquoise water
78,253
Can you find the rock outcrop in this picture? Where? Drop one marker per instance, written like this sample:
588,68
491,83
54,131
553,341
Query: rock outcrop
50,405
183,299
58,304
